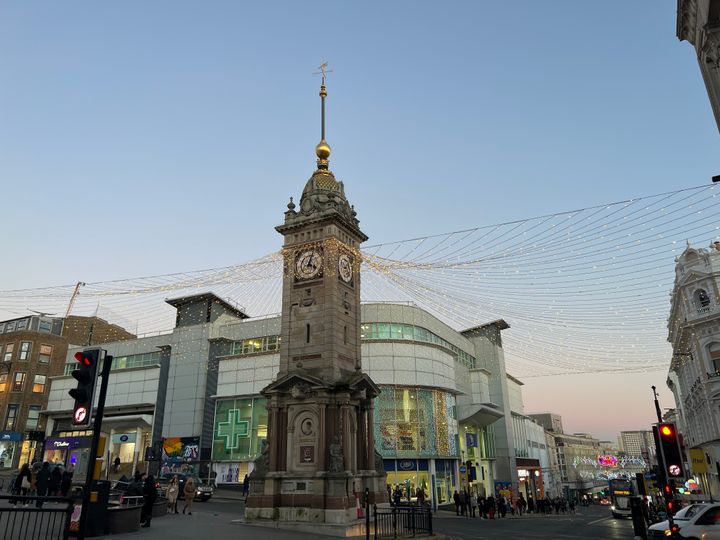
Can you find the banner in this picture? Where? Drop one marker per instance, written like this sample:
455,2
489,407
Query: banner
471,440
699,463
503,489
180,449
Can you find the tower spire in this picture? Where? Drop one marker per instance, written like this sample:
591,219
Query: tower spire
322,150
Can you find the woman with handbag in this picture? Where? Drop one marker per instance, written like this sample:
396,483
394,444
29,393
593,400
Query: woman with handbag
173,490
23,483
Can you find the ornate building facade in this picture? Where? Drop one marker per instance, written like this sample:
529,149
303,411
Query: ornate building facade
694,376
698,22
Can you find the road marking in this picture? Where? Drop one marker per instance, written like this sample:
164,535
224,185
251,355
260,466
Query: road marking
598,521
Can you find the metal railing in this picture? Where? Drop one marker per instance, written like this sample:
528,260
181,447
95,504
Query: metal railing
398,521
31,518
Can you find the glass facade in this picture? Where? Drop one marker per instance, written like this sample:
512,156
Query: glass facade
239,429
415,422
256,345
126,362
409,332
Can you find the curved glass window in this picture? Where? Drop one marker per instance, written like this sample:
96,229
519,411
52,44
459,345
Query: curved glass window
413,421
372,331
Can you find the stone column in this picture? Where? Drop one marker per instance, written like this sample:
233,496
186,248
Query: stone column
371,434
325,421
361,418
282,443
274,438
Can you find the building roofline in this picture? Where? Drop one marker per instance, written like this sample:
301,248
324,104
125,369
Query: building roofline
500,324
182,300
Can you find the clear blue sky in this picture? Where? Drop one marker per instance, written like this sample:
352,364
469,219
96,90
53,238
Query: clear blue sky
185,126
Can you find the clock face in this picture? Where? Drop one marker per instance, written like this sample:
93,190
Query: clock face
308,264
345,268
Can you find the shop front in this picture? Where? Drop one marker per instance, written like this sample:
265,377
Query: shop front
238,434
10,443
71,452
530,478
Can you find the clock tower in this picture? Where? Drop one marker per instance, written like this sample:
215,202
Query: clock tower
320,453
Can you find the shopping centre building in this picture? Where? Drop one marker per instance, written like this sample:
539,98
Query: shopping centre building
442,422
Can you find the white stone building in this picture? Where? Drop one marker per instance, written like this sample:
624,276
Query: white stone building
694,377
698,22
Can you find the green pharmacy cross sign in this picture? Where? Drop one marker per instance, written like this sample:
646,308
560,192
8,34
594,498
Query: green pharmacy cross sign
232,429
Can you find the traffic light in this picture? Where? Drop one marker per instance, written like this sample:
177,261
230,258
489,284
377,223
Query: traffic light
670,451
86,375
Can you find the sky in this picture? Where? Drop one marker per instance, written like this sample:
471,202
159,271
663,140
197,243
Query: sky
142,138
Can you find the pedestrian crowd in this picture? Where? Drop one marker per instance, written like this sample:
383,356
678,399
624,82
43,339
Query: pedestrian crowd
40,480
491,507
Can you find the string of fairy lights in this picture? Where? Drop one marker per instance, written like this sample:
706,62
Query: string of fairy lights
583,291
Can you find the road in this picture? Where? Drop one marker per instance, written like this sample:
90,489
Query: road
591,523
223,518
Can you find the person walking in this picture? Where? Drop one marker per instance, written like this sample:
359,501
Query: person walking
42,482
149,497
116,464
456,500
172,494
22,484
420,495
55,479
474,505
246,486
189,493
66,482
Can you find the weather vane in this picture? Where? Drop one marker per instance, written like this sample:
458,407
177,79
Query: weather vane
323,71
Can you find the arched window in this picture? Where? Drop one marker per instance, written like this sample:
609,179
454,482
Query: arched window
714,351
701,298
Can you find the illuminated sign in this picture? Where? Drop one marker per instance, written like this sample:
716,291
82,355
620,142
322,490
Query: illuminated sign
607,460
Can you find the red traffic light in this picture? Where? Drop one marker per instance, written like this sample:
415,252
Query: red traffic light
85,360
666,430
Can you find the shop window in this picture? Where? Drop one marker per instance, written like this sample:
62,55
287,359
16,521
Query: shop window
18,381
25,347
45,354
39,384
33,417
7,357
11,416
3,382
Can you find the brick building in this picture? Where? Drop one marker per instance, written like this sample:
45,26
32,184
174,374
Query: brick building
33,349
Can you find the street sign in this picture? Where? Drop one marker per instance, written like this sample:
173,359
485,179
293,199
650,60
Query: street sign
650,475
463,469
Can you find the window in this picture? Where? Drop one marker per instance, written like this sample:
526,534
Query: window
11,416
25,347
18,381
33,417
8,352
22,324
45,326
3,382
39,384
45,354
714,350
701,298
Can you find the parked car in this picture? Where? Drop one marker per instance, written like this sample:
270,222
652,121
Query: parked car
695,522
203,491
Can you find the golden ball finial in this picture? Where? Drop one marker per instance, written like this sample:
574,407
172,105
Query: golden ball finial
322,150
